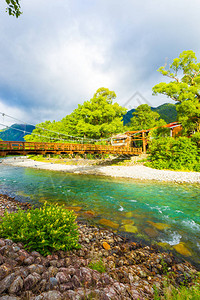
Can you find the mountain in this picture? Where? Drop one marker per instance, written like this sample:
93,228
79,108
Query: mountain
16,132
166,111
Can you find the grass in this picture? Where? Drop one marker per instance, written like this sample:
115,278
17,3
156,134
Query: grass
181,293
97,265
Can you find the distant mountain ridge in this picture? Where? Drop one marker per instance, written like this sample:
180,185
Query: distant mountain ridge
167,112
16,132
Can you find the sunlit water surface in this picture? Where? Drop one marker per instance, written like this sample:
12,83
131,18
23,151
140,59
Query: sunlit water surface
139,204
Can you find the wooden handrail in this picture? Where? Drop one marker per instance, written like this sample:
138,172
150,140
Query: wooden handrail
36,147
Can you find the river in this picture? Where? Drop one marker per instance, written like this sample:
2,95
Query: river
152,212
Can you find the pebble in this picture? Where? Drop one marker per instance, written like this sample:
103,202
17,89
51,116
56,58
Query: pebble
131,270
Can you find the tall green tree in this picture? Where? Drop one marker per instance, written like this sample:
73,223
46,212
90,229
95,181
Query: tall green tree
145,118
97,118
13,8
183,88
41,133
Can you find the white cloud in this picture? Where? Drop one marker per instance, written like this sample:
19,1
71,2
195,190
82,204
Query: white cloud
58,53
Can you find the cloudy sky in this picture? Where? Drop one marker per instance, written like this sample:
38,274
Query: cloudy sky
59,52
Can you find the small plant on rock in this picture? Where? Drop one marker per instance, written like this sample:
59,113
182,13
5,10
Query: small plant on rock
46,229
97,265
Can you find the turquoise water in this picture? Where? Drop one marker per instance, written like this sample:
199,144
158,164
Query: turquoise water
139,204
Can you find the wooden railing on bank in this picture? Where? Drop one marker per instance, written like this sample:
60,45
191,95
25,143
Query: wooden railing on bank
24,148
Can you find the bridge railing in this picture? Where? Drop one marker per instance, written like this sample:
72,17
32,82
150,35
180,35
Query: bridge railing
26,147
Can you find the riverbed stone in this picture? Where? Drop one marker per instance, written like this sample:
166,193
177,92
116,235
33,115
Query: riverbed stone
4,271
16,286
31,280
182,249
53,282
9,298
129,214
151,232
127,221
74,208
129,228
29,260
36,268
51,295
76,281
90,213
109,223
6,282
159,226
62,277
2,243
106,246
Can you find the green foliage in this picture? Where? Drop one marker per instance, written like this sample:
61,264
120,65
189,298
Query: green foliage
189,115
97,265
44,132
196,138
145,118
97,118
13,8
176,154
183,88
46,229
181,293
160,132
167,112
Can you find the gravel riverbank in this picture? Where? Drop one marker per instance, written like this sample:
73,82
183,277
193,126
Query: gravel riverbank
135,171
132,271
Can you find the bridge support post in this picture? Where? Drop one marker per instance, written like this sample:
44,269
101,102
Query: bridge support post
144,142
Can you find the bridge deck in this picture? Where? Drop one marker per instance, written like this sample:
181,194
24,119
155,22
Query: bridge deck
24,148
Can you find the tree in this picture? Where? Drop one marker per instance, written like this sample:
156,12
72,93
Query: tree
13,8
97,118
40,133
145,118
184,89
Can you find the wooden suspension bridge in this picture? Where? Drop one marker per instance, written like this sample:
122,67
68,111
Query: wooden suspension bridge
129,143
25,148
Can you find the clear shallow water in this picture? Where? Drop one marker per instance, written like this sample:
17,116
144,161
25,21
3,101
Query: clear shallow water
137,203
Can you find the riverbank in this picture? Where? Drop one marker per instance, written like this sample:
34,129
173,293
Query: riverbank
136,171
106,267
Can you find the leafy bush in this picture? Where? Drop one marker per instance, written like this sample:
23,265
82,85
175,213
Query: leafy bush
160,132
196,138
176,154
46,229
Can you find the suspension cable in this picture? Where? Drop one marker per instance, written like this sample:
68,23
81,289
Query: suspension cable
33,133
71,136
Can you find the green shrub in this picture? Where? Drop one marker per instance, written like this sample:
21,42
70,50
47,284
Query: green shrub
176,154
196,138
46,229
